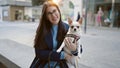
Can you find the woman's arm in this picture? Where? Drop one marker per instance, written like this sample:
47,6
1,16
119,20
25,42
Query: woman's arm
44,55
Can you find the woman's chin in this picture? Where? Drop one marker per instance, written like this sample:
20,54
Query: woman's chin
55,22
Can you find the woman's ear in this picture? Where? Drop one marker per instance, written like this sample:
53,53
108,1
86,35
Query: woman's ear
69,20
80,21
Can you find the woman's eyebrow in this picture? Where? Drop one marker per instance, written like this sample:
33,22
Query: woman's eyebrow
52,11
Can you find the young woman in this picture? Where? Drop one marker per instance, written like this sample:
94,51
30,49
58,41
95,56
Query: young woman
49,36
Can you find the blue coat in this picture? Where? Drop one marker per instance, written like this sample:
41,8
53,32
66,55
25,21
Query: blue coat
42,55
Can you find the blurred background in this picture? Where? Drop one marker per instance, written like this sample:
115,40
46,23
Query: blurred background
101,31
30,10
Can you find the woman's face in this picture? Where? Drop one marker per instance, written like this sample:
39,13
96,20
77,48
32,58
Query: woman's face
53,14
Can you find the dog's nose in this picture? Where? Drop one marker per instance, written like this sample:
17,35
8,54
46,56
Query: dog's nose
74,29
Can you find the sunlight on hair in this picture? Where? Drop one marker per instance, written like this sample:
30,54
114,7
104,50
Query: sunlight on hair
56,1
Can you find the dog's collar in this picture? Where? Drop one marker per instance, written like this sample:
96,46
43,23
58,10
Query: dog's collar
76,38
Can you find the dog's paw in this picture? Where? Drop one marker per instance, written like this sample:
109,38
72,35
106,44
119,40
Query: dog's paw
58,50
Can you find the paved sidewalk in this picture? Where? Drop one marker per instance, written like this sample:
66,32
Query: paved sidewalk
17,53
6,63
101,47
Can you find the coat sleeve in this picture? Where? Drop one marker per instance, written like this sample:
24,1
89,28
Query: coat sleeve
44,55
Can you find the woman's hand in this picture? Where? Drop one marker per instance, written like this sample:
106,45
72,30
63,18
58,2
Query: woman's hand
70,45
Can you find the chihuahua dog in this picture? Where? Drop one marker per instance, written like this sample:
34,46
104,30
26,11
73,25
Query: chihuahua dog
74,34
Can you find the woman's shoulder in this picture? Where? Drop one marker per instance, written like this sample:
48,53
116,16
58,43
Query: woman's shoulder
65,25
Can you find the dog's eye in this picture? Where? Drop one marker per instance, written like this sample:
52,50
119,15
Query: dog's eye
77,26
72,26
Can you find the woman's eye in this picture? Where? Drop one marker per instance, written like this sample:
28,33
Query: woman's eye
54,11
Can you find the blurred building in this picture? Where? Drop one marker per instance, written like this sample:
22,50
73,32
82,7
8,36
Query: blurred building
14,10
107,7
70,8
66,9
111,10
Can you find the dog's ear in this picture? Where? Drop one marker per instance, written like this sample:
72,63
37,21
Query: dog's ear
69,20
80,21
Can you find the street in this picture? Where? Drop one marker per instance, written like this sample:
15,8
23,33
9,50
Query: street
101,48
17,31
101,45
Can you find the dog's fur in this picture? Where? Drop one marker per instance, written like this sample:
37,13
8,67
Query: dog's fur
75,29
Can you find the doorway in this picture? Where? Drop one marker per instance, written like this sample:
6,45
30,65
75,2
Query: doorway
18,15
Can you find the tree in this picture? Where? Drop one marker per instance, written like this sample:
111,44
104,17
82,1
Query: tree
37,2
71,5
